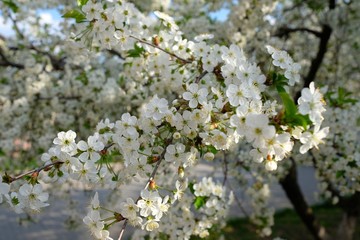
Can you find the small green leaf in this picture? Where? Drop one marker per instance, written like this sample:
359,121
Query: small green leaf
191,187
60,174
11,5
136,52
290,107
76,14
15,201
82,78
212,149
301,120
279,81
199,202
340,173
81,2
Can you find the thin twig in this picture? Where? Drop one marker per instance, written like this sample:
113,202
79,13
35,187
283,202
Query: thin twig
225,170
151,178
238,201
57,63
161,49
116,53
198,78
123,230
39,169
59,97
6,62
16,27
285,31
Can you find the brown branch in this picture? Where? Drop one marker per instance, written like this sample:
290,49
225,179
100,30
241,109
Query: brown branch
238,202
285,31
292,189
7,63
58,63
122,229
198,78
161,49
332,4
16,27
317,61
59,97
116,53
37,170
10,179
225,170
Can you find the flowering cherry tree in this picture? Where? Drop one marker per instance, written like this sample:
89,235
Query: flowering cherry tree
125,93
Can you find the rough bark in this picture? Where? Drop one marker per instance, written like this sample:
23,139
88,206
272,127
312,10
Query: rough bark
296,197
316,62
351,208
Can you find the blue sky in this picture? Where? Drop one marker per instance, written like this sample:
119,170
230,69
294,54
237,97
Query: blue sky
220,15
52,16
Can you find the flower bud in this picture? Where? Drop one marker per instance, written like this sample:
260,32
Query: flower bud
156,40
48,168
103,152
209,156
35,174
152,185
181,171
176,135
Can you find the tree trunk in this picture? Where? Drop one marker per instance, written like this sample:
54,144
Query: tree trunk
351,208
296,197
347,227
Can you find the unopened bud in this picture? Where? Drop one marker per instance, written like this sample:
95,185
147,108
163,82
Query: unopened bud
47,168
155,159
176,135
152,185
103,152
118,217
209,156
181,171
156,40
35,174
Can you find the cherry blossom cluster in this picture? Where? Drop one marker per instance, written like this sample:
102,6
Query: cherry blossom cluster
283,60
216,99
182,222
262,216
338,161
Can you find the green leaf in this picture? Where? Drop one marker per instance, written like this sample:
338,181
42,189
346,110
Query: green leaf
76,14
279,81
301,120
340,173
11,5
81,2
136,52
2,153
342,98
82,78
191,187
199,202
316,5
290,107
292,116
60,173
212,149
